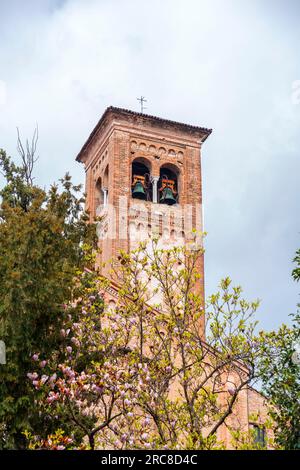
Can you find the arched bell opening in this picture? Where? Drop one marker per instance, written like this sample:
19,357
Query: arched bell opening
168,185
141,187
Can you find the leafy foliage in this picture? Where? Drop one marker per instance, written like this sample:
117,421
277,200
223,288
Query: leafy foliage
282,386
296,270
281,379
42,236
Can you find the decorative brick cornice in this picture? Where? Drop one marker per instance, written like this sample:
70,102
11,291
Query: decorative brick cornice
201,132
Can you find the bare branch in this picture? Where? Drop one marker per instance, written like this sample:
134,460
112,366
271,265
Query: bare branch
28,155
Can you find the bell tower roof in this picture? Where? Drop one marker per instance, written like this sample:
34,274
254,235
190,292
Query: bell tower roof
125,114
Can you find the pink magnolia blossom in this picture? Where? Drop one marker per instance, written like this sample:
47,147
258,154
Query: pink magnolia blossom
32,376
231,388
44,378
75,341
52,397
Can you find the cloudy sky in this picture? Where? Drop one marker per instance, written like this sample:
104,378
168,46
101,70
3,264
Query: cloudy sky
227,64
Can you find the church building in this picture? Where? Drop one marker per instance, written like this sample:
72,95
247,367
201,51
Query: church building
143,179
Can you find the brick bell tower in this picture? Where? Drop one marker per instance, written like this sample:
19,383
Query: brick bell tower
143,178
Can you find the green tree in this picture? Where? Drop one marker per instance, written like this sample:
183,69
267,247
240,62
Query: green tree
281,379
281,383
42,237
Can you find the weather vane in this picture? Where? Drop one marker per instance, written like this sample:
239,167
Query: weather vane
142,100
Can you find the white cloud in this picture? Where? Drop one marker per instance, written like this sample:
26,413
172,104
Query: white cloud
296,92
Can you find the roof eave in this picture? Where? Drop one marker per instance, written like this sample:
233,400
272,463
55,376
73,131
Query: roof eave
112,109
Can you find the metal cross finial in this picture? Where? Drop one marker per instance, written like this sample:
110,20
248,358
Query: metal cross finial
142,101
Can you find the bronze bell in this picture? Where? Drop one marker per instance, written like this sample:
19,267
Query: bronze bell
167,196
138,191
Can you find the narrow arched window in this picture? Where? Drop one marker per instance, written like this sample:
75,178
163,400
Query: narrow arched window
98,196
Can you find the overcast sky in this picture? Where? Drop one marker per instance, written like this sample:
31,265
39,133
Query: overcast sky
230,65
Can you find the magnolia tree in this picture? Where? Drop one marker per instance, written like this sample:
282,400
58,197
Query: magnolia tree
138,376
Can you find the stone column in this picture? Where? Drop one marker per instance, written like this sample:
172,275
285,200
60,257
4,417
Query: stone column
154,181
105,194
